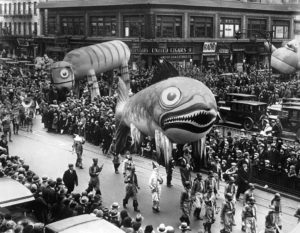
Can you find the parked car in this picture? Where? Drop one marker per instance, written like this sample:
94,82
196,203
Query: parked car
245,113
82,224
290,119
235,96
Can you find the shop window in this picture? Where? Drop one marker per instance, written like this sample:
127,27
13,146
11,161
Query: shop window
24,29
30,28
72,25
229,26
35,28
103,26
52,25
19,8
201,26
281,29
15,28
134,26
34,8
24,8
168,26
297,28
19,28
257,28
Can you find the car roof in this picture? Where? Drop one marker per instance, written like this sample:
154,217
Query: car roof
13,192
249,102
292,99
291,108
83,224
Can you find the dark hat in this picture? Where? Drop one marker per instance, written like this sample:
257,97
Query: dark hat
184,226
59,180
139,218
113,213
71,165
161,228
95,160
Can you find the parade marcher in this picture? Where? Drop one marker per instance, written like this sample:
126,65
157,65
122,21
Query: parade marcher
155,183
270,225
116,157
78,147
94,172
184,227
70,178
197,193
169,170
128,163
132,187
230,187
227,212
211,181
249,193
186,203
297,214
249,217
242,180
276,202
209,216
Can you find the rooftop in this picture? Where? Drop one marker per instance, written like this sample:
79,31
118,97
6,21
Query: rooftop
185,3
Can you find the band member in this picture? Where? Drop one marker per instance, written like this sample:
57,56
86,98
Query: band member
227,213
276,202
249,193
270,226
169,170
186,203
131,189
249,217
209,216
155,182
94,177
128,164
78,147
197,193
211,181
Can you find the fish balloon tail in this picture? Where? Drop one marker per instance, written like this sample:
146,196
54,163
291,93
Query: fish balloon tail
163,147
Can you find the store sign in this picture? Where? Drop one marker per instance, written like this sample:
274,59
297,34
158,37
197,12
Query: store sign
170,50
209,47
223,50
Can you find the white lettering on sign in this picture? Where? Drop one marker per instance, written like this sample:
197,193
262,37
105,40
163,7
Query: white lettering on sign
209,47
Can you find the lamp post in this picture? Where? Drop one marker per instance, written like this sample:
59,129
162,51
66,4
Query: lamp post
268,36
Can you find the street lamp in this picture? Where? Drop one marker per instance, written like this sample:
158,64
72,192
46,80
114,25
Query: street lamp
268,36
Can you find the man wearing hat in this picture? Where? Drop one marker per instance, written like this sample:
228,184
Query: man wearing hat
106,135
186,203
184,227
155,182
276,202
94,172
270,224
242,179
70,178
161,228
131,189
249,217
227,213
78,147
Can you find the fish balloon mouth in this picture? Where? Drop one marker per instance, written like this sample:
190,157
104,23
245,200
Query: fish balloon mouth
196,121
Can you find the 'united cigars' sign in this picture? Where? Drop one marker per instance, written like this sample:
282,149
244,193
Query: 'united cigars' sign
170,50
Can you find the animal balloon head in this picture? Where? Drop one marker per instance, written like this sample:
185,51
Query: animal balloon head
287,59
63,75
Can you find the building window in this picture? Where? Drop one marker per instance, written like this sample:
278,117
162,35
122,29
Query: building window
34,8
257,28
201,26
9,8
103,26
5,8
15,8
35,28
72,25
30,28
29,8
19,8
229,26
19,28
9,28
297,28
0,9
134,26
52,25
168,26
281,29
1,25
24,8
24,29
15,28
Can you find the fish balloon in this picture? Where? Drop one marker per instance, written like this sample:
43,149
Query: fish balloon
176,110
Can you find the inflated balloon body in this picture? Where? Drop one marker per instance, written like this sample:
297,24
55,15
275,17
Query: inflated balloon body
287,58
178,109
89,61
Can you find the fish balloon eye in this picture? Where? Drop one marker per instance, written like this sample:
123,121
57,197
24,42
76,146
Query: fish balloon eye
170,96
64,73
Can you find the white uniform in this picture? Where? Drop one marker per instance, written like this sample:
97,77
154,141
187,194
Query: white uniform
155,182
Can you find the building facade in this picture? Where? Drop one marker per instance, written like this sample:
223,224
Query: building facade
185,32
19,23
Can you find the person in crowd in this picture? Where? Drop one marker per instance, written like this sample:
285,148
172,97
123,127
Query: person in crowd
155,183
4,145
106,135
132,187
94,172
169,170
70,178
198,190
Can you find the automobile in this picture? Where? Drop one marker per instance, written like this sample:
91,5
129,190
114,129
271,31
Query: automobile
235,96
245,113
290,119
15,199
82,224
290,100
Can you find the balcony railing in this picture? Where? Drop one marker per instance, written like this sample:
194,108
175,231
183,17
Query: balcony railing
16,15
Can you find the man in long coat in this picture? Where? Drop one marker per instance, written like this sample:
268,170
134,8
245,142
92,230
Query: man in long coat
70,178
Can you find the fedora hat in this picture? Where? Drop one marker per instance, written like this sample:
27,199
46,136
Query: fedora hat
161,228
184,226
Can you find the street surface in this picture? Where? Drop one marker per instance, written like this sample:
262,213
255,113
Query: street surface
49,154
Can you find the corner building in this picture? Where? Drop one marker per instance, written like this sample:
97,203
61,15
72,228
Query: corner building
185,32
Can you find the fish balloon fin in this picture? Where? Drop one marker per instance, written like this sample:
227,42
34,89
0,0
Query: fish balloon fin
203,149
123,96
121,136
163,70
163,146
136,135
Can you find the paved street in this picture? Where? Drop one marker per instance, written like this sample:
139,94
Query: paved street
49,154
